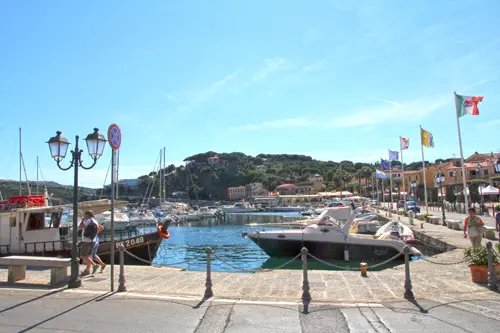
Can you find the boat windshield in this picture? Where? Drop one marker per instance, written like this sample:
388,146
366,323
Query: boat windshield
330,222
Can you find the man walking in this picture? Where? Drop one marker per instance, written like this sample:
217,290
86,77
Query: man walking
95,257
89,226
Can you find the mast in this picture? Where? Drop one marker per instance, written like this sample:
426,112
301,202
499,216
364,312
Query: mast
164,174
20,162
160,173
464,178
423,169
37,168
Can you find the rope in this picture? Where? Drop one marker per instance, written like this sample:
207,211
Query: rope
255,270
354,268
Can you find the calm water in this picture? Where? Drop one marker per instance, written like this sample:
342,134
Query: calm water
189,243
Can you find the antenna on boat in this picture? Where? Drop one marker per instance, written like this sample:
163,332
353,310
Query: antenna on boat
22,167
37,168
105,179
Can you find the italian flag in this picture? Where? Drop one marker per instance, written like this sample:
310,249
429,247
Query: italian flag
467,105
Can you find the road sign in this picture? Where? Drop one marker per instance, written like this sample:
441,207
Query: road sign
114,136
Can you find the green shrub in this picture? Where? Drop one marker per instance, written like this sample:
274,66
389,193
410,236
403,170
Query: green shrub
497,208
427,215
478,256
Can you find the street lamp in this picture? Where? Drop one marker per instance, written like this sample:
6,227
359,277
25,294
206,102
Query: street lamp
413,185
479,189
58,146
439,179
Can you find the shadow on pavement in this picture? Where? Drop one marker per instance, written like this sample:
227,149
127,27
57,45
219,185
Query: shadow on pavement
32,300
97,299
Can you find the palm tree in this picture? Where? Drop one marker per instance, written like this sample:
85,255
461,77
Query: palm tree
366,172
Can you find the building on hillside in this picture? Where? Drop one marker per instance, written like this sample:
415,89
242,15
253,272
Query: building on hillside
286,189
261,168
215,162
255,189
317,183
304,188
237,193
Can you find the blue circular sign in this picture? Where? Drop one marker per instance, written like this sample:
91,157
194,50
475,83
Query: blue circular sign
114,136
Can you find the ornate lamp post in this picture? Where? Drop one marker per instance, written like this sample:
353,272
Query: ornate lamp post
439,179
58,146
479,188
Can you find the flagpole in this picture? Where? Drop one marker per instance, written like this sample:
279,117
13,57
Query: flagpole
403,171
423,168
377,185
383,192
461,153
390,179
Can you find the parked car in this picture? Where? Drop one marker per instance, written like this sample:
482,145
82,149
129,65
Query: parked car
412,205
375,203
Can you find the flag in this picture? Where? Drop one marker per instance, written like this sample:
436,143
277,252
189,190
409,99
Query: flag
404,143
380,174
427,139
467,105
393,155
384,164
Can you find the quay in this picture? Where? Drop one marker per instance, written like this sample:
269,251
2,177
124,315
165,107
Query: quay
446,300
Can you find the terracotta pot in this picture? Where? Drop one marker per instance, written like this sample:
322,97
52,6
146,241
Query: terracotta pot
479,273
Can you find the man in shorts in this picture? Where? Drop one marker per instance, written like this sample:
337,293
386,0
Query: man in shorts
89,227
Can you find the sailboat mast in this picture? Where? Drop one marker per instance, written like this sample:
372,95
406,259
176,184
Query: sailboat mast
37,168
20,162
164,174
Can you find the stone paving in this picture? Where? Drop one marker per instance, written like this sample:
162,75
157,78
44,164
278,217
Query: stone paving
430,280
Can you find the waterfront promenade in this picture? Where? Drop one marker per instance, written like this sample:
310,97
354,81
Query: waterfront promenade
446,298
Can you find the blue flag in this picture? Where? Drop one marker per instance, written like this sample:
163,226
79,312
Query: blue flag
384,164
380,174
393,155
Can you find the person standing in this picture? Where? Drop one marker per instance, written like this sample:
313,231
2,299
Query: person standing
89,226
473,227
95,248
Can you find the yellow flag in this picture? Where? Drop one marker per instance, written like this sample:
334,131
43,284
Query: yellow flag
427,139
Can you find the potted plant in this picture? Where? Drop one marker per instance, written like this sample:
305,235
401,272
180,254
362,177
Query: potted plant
477,258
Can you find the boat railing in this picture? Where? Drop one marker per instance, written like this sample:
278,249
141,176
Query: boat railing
4,249
45,246
125,234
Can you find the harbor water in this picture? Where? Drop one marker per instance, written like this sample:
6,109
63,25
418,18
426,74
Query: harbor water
187,243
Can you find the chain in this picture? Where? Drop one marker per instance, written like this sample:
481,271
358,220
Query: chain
255,270
354,268
495,253
181,262
147,262
444,263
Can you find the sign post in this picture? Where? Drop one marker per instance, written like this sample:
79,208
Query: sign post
115,140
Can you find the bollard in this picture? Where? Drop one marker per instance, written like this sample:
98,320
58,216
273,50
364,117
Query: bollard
121,278
306,295
408,292
410,217
208,284
364,268
492,278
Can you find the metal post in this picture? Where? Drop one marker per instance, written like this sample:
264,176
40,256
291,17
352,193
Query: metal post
492,279
408,292
112,254
75,281
121,279
306,295
208,284
443,208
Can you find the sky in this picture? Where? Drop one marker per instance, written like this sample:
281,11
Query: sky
335,80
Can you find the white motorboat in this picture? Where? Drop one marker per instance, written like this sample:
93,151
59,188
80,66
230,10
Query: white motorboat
239,207
329,238
396,230
121,220
285,209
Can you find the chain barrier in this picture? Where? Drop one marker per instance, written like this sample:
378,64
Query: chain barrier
355,268
147,262
257,269
444,263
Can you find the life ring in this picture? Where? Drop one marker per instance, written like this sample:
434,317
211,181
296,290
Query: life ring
163,234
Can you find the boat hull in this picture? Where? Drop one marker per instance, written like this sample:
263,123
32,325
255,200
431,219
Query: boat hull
289,248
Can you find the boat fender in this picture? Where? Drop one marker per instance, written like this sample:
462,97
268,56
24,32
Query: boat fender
346,255
163,232
243,235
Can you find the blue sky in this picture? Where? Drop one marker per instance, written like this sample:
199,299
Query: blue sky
331,79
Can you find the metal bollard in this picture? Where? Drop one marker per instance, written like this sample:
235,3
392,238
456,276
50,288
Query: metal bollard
408,292
121,278
306,295
364,268
492,278
208,284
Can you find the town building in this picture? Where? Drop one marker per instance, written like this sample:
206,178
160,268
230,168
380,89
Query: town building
255,190
286,189
237,193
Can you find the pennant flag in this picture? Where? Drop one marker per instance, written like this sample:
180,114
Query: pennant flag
467,105
380,174
427,138
384,164
405,143
393,155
